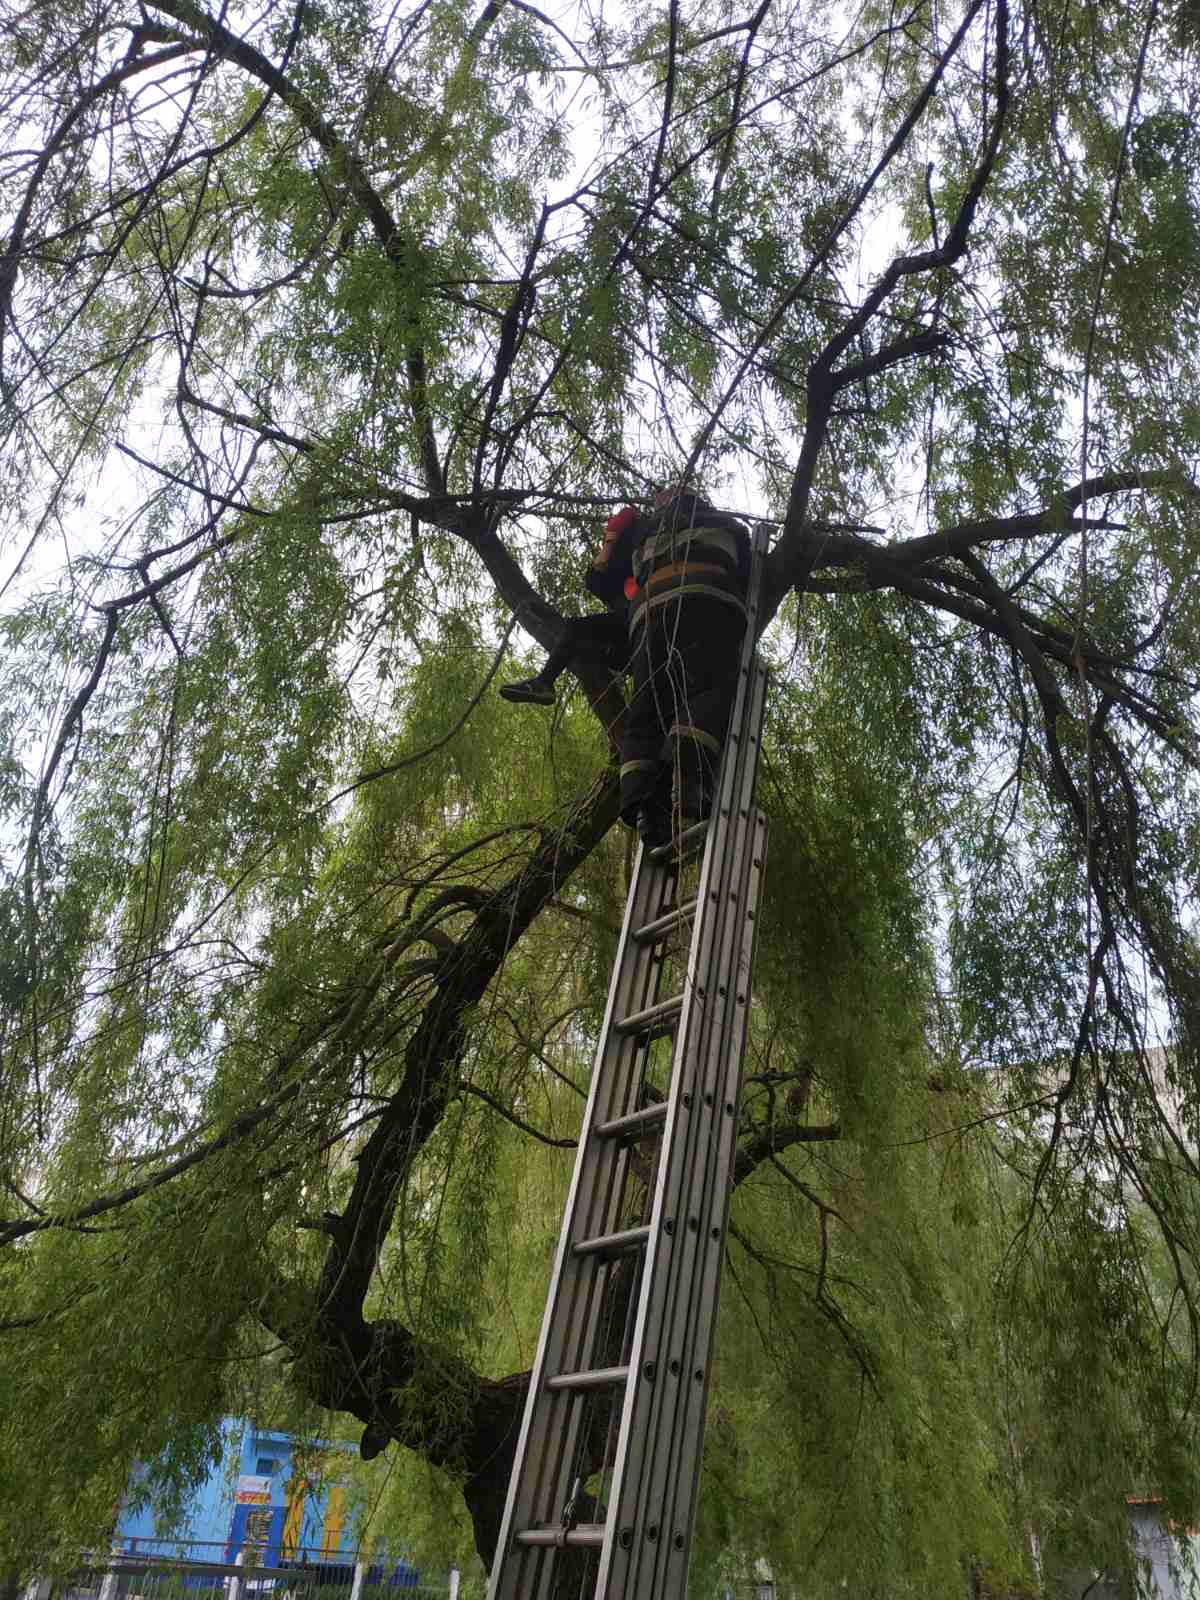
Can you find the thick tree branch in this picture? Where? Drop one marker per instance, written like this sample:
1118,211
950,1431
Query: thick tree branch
433,1053
1053,518
918,344
769,1141
237,1130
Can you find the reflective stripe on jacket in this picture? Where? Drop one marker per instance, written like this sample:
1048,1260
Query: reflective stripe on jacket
674,545
708,558
692,583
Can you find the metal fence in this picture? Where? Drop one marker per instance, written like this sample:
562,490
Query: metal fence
167,1569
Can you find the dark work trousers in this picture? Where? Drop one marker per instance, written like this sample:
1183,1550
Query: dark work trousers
684,668
602,637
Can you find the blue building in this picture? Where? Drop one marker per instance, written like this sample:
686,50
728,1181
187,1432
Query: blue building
270,1500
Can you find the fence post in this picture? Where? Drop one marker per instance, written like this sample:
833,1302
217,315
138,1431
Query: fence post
454,1578
108,1588
235,1584
360,1573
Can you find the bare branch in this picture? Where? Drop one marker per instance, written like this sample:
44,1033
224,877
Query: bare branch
794,557
510,1115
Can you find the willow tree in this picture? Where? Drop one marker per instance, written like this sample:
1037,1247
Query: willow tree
328,335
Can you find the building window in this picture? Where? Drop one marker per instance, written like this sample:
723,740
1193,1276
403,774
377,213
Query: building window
266,1467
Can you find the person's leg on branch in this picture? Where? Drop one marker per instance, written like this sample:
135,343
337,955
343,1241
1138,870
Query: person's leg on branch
600,638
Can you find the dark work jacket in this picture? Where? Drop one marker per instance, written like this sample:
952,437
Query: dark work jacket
689,550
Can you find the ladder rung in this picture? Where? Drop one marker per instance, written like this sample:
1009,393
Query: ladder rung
656,1019
612,1244
683,844
597,1378
634,1124
583,1533
665,924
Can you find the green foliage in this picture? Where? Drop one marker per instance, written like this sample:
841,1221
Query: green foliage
330,336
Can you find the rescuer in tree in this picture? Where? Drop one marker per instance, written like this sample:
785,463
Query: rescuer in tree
603,637
691,565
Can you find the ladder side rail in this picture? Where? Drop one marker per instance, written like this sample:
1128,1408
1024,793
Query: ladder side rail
579,1313
661,1241
576,1303
684,1310
586,1283
560,1416
628,1514
680,1473
575,1306
558,1419
537,1432
556,1416
647,1429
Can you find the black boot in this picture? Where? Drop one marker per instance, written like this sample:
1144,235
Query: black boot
693,796
654,826
528,691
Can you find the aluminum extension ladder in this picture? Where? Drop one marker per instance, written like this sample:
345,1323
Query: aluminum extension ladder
602,1498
